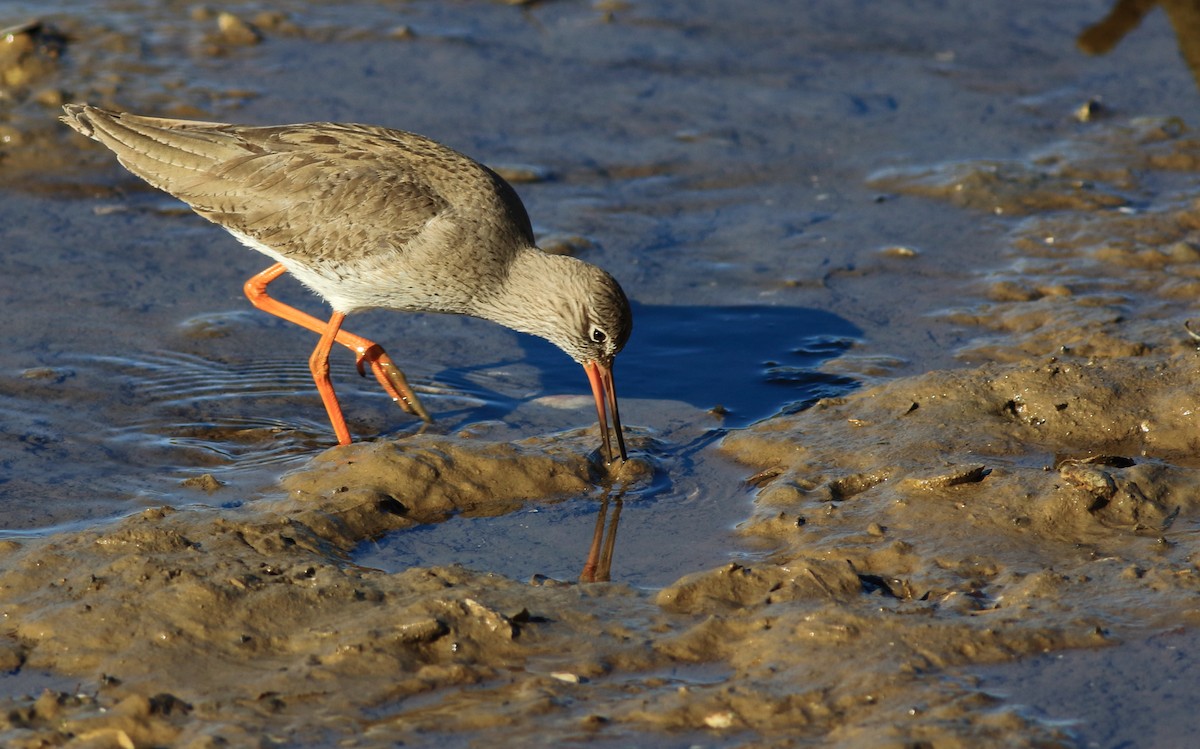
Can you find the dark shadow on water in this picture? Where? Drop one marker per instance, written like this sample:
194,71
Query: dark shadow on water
755,361
210,410
750,361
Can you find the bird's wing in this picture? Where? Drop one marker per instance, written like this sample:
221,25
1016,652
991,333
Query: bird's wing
286,187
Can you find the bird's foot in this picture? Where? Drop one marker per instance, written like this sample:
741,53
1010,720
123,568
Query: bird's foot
392,380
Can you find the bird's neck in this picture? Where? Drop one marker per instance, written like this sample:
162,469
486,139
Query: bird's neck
532,297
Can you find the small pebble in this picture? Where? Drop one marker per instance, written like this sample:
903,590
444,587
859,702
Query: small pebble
236,31
566,676
719,720
204,481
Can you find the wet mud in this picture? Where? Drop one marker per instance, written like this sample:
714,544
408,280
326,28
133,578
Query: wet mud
1034,494
1042,501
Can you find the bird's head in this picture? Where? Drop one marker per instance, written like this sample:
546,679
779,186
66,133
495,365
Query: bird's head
596,319
592,326
577,307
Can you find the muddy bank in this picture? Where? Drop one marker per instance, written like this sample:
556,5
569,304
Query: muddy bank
1011,492
1102,254
1042,501
951,519
1038,498
195,626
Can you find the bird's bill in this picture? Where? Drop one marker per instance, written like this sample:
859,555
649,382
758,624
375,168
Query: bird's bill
605,392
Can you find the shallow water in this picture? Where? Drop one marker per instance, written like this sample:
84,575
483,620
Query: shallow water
775,188
1160,671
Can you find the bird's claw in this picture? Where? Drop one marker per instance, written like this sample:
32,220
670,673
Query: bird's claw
404,394
393,381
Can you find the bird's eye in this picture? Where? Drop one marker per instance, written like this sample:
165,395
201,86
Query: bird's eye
599,336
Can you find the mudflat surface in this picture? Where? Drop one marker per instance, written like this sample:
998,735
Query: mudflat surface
910,396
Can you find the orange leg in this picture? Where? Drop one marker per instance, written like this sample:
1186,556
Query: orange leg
386,372
318,364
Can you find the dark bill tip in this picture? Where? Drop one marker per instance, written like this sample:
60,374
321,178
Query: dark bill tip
605,392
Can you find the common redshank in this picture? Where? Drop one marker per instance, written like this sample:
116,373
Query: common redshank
369,217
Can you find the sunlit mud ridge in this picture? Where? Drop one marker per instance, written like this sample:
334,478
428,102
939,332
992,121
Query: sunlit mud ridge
192,624
1008,493
257,612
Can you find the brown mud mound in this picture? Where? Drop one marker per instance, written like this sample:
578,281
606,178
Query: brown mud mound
1016,494
247,626
985,514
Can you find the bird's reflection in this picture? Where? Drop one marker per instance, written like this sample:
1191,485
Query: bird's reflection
1125,16
598,566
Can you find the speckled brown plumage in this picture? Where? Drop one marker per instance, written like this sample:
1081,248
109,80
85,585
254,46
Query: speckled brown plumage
371,217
